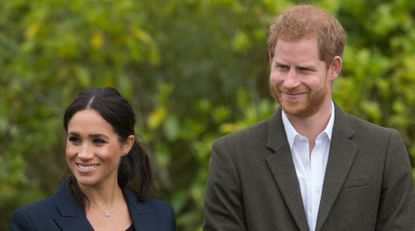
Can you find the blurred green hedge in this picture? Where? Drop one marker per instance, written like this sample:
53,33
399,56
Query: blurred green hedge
194,70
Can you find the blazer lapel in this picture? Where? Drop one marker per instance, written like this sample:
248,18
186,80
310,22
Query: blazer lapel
281,165
71,217
138,212
72,224
341,156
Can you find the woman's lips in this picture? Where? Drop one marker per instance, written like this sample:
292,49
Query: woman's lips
86,168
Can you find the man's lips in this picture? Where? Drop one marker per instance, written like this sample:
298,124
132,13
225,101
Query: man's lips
292,95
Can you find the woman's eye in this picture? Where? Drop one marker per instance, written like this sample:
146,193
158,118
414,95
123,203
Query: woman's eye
99,141
74,139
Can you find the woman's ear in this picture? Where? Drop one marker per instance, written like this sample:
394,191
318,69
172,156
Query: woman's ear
128,144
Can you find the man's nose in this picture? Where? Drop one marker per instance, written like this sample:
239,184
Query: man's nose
291,80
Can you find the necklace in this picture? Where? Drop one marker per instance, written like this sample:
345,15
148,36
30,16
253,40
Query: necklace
107,213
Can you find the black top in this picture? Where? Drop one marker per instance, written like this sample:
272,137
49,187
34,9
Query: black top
131,228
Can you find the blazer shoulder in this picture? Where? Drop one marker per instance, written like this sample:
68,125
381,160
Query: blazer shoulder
149,204
37,207
163,212
361,125
26,217
158,205
257,131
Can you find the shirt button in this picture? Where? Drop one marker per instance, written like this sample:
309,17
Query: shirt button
317,190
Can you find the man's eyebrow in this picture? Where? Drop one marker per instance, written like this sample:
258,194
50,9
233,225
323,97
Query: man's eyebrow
306,67
280,64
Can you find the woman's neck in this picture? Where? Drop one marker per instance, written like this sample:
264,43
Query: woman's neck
104,198
107,208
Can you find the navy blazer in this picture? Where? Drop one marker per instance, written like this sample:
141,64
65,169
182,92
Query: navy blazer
60,212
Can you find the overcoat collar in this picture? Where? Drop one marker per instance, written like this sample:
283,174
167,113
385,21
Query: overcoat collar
72,218
281,165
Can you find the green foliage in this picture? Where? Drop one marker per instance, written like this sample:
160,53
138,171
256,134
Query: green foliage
194,70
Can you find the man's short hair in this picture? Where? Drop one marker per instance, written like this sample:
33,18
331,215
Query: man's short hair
305,21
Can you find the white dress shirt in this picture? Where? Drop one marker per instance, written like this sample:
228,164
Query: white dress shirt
310,169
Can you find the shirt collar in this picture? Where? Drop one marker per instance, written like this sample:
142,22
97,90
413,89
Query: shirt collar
292,133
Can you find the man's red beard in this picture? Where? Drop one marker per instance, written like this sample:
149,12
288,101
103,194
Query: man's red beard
302,108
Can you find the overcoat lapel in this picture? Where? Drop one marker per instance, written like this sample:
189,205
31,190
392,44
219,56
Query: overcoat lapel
341,156
71,217
281,165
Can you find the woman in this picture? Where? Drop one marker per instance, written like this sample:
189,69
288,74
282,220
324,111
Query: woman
111,174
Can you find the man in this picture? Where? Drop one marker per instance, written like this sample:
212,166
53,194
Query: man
310,166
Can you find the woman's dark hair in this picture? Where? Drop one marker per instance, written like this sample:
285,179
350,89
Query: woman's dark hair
134,170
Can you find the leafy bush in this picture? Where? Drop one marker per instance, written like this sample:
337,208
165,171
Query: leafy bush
194,70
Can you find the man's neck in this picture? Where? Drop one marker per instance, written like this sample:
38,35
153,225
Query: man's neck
313,125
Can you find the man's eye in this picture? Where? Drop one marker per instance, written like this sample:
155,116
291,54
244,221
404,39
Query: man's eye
304,70
283,68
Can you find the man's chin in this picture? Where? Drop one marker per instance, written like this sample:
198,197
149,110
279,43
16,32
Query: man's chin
299,111
295,113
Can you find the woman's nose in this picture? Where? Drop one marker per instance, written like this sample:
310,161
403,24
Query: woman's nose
85,153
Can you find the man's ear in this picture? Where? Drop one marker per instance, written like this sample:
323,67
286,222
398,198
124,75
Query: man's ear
335,67
270,59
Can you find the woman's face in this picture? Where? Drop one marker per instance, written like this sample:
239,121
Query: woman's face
93,150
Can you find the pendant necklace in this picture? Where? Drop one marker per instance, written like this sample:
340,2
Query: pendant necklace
107,213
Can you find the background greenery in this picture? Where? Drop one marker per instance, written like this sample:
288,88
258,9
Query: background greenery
194,70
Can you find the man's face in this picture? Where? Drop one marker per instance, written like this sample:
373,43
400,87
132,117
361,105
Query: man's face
299,80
